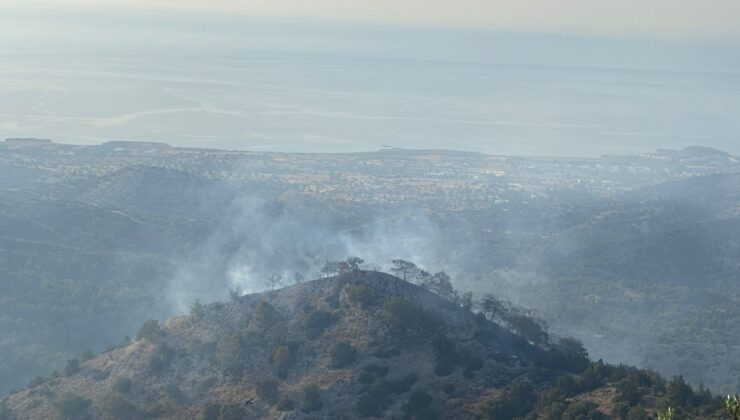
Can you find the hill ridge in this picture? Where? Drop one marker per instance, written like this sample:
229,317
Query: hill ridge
355,345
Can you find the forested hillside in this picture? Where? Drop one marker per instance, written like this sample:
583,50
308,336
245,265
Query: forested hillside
636,256
357,345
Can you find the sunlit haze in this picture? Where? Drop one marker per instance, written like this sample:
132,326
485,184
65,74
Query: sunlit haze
525,77
684,19
379,209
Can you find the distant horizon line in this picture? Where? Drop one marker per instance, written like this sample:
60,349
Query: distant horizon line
382,148
379,23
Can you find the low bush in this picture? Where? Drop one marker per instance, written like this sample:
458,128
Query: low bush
72,406
265,316
515,401
402,385
268,390
446,355
343,354
150,330
311,399
373,402
282,359
400,315
72,367
365,378
582,410
317,321
285,404
230,354
5,413
378,371
210,411
123,385
418,406
360,294
637,413
161,359
115,406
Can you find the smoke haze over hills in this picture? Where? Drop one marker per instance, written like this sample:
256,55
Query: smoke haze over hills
230,190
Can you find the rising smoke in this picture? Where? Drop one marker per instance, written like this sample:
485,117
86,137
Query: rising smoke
255,239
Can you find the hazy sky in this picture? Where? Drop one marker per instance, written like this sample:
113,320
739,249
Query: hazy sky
552,77
666,19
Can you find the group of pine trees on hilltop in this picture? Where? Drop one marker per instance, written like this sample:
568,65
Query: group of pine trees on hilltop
519,320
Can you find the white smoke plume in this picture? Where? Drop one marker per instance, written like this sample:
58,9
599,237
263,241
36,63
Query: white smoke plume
256,239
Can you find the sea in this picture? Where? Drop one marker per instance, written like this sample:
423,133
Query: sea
298,85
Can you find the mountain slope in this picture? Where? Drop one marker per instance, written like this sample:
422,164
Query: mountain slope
157,191
364,344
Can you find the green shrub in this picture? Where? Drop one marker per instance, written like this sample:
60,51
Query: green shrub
343,354
446,355
216,411
229,354
267,390
360,294
199,349
231,412
285,404
87,355
72,367
161,359
573,355
123,385
317,321
5,413
373,402
472,362
367,407
150,330
265,316
418,404
116,406
515,401
582,410
401,315
311,399
568,385
732,406
203,386
365,378
197,309
173,392
36,381
593,377
282,359
378,371
554,410
637,413
402,385
72,406
621,409
628,391
333,301
210,411
679,393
